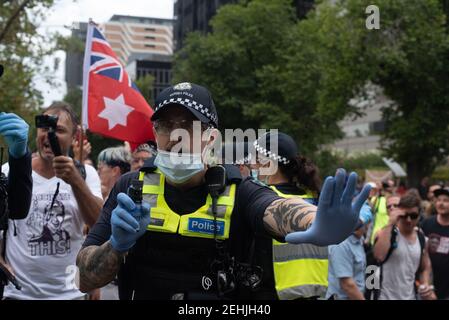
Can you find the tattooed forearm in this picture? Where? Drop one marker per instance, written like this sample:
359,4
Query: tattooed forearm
288,215
98,266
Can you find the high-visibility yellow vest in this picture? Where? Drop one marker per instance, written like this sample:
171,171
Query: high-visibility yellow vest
198,224
381,217
300,271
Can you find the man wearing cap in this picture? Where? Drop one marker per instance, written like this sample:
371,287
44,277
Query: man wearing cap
436,228
182,243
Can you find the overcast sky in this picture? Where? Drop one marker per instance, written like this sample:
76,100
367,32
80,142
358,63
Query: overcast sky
65,12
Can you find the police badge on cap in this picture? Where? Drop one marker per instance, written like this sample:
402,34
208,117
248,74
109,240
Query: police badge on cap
195,98
183,86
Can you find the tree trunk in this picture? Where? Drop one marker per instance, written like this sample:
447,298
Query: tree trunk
415,172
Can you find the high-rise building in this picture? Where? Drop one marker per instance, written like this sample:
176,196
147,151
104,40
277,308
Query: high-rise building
195,15
136,37
74,59
303,7
363,134
159,66
131,38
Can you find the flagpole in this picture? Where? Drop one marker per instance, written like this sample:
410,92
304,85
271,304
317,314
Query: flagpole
86,69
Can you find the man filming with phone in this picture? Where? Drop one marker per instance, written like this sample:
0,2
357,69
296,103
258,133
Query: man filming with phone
42,248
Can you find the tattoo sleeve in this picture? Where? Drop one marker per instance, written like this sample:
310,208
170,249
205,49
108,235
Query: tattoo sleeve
98,265
288,215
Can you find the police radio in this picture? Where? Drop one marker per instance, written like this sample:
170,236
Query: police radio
135,191
216,182
231,275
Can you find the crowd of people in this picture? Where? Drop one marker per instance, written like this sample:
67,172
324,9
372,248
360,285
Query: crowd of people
179,243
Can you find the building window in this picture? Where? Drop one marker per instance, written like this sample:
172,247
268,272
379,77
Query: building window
150,37
377,127
150,29
150,46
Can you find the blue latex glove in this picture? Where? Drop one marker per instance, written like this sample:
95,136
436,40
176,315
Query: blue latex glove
128,222
337,215
15,131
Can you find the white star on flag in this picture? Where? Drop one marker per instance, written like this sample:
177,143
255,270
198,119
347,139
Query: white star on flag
115,111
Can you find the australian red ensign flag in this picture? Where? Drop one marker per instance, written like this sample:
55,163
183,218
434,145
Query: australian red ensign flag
112,104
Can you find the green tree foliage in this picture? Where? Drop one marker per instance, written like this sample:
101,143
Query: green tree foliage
408,58
21,52
266,69
328,162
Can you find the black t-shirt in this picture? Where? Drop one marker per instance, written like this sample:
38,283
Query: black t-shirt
439,254
175,258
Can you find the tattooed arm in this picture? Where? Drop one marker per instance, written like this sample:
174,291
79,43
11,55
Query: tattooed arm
288,215
98,262
334,220
98,265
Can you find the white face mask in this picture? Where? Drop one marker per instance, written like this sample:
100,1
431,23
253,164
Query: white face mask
255,174
179,167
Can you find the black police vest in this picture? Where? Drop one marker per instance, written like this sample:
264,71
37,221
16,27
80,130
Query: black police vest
165,266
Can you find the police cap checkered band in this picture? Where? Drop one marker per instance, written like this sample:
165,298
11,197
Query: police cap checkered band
269,154
284,151
195,98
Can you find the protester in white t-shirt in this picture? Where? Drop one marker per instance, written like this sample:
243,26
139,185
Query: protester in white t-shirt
41,249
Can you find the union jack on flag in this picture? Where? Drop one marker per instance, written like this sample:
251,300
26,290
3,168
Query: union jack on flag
112,104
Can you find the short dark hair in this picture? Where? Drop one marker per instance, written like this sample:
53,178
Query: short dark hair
59,106
410,200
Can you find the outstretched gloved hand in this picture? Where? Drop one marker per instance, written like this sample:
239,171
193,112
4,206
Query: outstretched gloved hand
337,214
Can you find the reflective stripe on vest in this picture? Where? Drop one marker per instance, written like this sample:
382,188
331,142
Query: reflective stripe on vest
300,271
198,224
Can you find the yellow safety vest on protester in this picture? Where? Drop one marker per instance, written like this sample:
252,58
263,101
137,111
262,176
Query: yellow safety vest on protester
300,271
381,217
198,224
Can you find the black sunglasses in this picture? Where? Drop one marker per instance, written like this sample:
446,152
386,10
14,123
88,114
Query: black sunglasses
412,215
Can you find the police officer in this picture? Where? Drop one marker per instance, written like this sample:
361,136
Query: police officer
177,244
291,271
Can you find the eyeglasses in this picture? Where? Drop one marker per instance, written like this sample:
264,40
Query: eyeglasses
167,126
412,215
391,206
